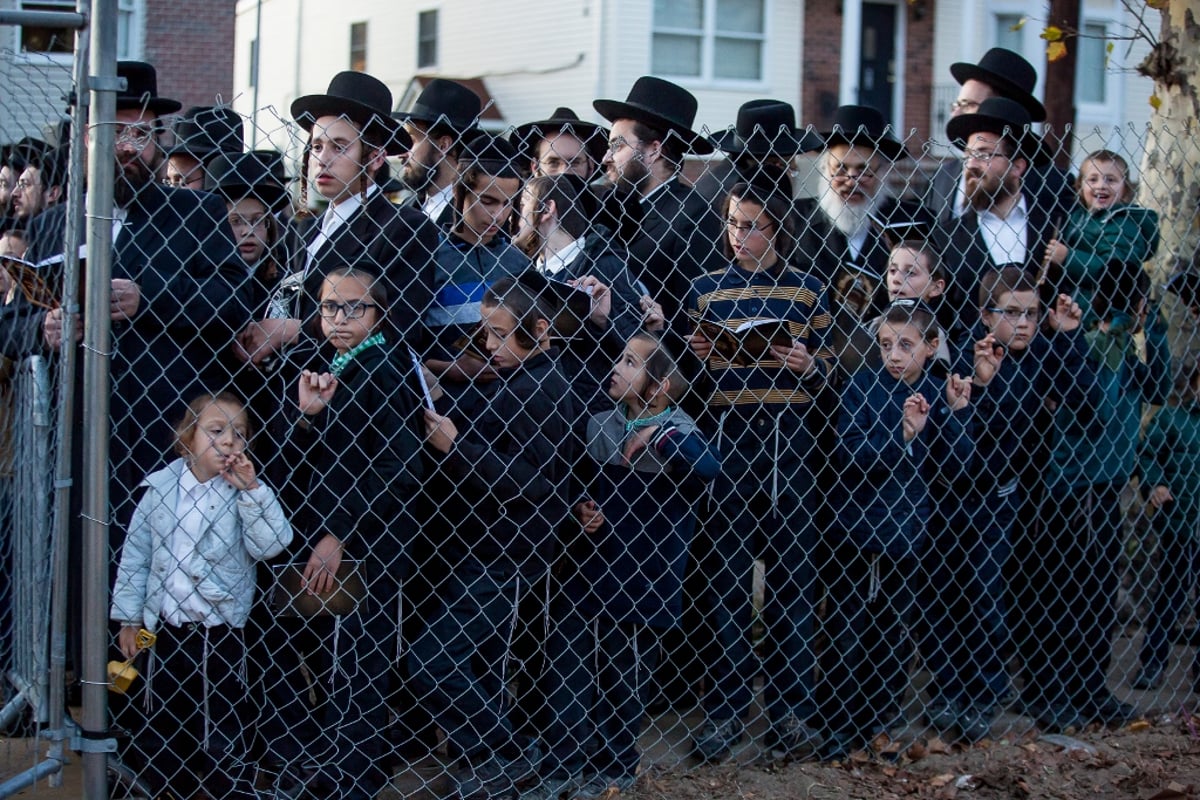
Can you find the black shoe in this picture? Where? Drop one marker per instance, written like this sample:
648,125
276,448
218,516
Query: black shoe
838,746
1059,718
716,738
942,716
483,781
792,735
1149,678
1111,711
975,724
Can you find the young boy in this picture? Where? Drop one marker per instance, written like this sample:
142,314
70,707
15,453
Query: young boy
1018,368
1094,454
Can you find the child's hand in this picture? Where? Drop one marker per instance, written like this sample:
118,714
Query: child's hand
1065,315
239,471
320,573
958,392
916,414
440,431
589,515
1057,252
315,391
988,355
796,358
701,345
263,338
52,328
127,640
1160,496
653,317
637,443
601,299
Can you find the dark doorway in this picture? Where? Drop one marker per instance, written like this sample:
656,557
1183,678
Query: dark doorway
877,65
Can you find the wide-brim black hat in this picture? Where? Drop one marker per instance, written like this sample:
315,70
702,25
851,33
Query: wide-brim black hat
360,97
205,131
1002,117
28,150
864,126
141,90
448,103
235,176
564,120
661,105
1006,72
493,155
765,128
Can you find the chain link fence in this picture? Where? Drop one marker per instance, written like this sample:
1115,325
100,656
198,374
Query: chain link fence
430,476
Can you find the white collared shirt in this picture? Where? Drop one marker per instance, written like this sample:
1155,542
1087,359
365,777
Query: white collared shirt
857,242
646,198
556,263
1005,237
436,203
335,216
196,509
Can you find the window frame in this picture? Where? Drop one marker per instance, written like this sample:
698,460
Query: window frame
435,15
132,12
359,49
708,36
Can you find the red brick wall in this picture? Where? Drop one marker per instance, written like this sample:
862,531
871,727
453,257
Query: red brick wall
823,60
191,45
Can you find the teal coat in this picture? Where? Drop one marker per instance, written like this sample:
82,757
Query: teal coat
1170,456
1124,232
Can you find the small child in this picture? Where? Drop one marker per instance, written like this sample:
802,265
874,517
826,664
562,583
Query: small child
645,470
1105,228
1170,479
509,471
187,574
900,430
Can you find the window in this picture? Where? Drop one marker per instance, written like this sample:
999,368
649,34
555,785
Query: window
56,40
1009,33
358,46
427,39
253,63
709,39
1091,73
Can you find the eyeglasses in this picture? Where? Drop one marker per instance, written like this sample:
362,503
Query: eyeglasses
1017,314
964,105
354,310
620,143
137,135
23,185
747,228
860,171
238,221
981,155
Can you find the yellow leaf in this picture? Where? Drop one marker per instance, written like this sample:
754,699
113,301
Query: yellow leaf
1055,51
1020,24
1155,101
1108,48
1052,34
1161,5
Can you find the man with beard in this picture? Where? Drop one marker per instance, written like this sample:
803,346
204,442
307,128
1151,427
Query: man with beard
678,238
844,234
442,118
1004,223
42,184
561,143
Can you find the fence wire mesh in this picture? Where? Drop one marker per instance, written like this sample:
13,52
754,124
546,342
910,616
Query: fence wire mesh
432,476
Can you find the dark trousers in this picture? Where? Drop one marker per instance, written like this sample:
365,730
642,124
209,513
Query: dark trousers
870,608
965,637
187,713
1068,573
1178,568
761,506
326,687
458,663
597,688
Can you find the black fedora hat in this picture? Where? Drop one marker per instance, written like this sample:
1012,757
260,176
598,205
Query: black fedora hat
1003,117
864,125
764,128
141,89
1006,72
361,98
448,103
24,152
237,175
204,131
493,155
275,164
661,105
564,120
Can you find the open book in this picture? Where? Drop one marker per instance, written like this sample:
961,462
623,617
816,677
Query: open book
749,342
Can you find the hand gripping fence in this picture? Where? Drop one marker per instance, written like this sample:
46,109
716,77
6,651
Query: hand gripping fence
487,484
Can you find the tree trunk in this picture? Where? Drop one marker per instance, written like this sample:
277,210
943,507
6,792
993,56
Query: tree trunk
1170,172
1060,85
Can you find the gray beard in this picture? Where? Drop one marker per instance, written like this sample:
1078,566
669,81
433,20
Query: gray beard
851,220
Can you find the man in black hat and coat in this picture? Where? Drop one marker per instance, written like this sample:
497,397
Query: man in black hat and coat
442,118
764,139
678,238
1005,223
201,134
561,143
999,73
844,235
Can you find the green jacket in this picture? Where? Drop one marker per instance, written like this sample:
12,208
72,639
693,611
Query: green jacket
1124,232
1170,456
